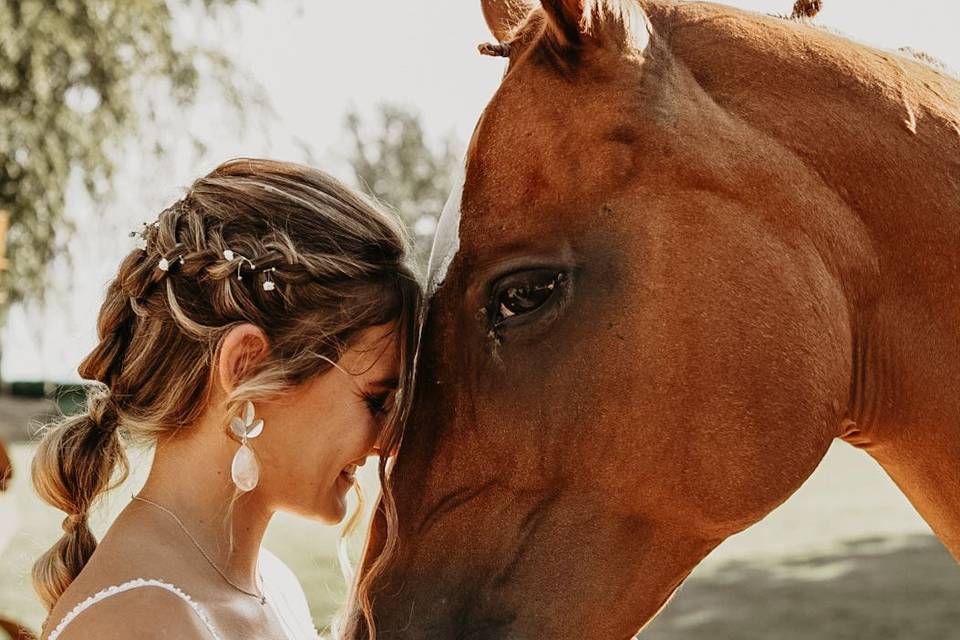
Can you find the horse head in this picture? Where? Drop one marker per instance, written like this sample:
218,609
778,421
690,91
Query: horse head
639,334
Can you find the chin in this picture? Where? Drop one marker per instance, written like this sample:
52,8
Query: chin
330,511
330,506
337,513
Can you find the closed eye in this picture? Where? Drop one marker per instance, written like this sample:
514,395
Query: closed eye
377,403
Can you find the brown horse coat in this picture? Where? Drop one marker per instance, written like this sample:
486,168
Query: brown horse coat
694,246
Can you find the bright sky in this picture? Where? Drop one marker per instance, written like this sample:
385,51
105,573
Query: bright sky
315,61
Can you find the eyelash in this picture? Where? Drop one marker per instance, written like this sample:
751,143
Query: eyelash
376,403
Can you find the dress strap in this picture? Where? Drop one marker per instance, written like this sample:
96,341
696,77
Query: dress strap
128,586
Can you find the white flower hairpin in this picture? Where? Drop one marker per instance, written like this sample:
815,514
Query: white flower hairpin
164,265
141,235
141,243
231,255
269,284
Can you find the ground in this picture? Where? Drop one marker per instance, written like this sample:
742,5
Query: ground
846,558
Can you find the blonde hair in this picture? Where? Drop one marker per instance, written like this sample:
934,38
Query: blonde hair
339,266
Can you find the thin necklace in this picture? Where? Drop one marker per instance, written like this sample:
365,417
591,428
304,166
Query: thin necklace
260,597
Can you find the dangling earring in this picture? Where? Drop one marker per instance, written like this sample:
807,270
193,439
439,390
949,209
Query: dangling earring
245,470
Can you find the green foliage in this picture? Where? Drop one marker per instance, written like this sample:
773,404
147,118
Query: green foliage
398,165
71,75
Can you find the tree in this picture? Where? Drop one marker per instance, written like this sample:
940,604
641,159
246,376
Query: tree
403,170
70,75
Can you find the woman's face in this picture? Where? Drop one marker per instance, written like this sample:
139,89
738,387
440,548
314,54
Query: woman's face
316,436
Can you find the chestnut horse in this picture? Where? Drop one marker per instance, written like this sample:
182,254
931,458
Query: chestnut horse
694,246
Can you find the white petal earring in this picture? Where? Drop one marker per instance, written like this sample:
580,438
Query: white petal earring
245,470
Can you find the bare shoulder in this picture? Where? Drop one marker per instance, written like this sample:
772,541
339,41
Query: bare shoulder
143,613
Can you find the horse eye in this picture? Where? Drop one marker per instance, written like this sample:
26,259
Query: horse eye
525,292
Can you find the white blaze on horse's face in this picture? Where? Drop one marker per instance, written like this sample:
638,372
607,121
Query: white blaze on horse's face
446,241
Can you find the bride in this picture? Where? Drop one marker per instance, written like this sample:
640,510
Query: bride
260,340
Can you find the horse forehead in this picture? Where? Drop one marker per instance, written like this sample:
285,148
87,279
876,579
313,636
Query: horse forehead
543,141
516,177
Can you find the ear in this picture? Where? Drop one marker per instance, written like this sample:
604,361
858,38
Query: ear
503,16
566,16
244,345
621,21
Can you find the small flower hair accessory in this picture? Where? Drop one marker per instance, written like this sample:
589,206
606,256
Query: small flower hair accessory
245,471
230,255
164,265
141,235
269,284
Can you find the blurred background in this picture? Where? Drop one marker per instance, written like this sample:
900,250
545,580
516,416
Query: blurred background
110,108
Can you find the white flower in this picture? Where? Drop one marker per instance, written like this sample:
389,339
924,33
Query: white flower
228,255
164,264
269,285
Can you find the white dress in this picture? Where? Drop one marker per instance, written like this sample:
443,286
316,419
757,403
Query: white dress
282,589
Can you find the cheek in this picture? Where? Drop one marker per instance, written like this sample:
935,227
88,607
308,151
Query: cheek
313,447
347,437
359,434
303,449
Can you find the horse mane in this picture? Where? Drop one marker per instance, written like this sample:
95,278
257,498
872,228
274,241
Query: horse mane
624,20
628,14
806,9
929,60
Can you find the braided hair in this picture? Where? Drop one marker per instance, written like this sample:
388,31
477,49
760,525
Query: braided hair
335,265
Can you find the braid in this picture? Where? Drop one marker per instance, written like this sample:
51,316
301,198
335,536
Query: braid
115,327
77,457
197,251
74,464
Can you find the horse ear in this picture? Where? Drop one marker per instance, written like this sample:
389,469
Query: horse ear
573,20
567,17
503,16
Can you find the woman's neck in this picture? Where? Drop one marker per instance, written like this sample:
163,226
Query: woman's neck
190,477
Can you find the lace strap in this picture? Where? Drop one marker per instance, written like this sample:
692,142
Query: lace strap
100,596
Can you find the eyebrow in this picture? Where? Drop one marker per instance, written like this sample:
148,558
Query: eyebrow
391,383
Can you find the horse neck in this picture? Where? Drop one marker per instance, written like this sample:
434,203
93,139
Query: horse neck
882,133
881,130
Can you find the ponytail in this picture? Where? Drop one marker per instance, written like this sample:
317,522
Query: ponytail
73,465
77,456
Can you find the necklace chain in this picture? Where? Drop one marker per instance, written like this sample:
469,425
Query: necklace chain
262,598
